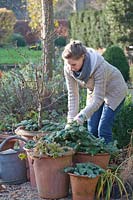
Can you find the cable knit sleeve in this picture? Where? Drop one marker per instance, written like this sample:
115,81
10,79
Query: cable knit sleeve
98,93
73,96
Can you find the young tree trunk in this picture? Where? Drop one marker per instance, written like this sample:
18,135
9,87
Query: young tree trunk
47,36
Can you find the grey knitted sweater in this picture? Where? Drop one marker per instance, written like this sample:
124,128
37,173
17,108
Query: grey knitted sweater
105,84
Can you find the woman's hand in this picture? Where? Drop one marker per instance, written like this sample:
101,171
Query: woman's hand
80,118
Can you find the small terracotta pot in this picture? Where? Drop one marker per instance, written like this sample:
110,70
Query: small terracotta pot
83,187
52,182
101,159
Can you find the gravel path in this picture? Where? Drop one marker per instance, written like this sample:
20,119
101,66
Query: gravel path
26,192
21,192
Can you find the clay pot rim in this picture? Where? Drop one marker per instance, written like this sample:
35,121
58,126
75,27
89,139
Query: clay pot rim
69,153
23,132
98,154
82,176
4,136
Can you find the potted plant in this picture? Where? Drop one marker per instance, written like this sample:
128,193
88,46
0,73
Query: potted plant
29,129
88,148
84,178
49,160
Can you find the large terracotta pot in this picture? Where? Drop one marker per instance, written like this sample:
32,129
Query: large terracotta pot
101,159
52,182
30,169
28,135
83,188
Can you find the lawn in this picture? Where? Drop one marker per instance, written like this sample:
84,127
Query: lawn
19,55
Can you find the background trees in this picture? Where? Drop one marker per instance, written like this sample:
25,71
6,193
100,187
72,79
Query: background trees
118,14
7,22
18,7
101,27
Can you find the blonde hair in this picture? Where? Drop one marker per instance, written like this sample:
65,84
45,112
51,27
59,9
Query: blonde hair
75,49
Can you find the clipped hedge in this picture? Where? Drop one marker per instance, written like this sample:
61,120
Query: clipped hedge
91,27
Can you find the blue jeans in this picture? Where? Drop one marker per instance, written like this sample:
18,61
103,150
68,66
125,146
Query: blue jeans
101,122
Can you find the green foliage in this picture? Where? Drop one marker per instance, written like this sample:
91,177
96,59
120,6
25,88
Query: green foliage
124,123
115,56
119,17
18,39
7,21
60,41
106,183
131,76
43,148
91,27
30,144
85,169
19,89
16,94
100,28
7,123
77,137
47,125
30,125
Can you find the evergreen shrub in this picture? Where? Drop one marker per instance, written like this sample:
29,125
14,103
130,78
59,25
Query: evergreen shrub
124,123
115,56
18,39
60,41
91,27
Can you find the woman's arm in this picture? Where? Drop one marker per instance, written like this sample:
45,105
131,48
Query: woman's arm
73,96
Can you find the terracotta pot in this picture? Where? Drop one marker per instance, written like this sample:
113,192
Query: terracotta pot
28,135
52,182
9,144
83,188
101,159
30,169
